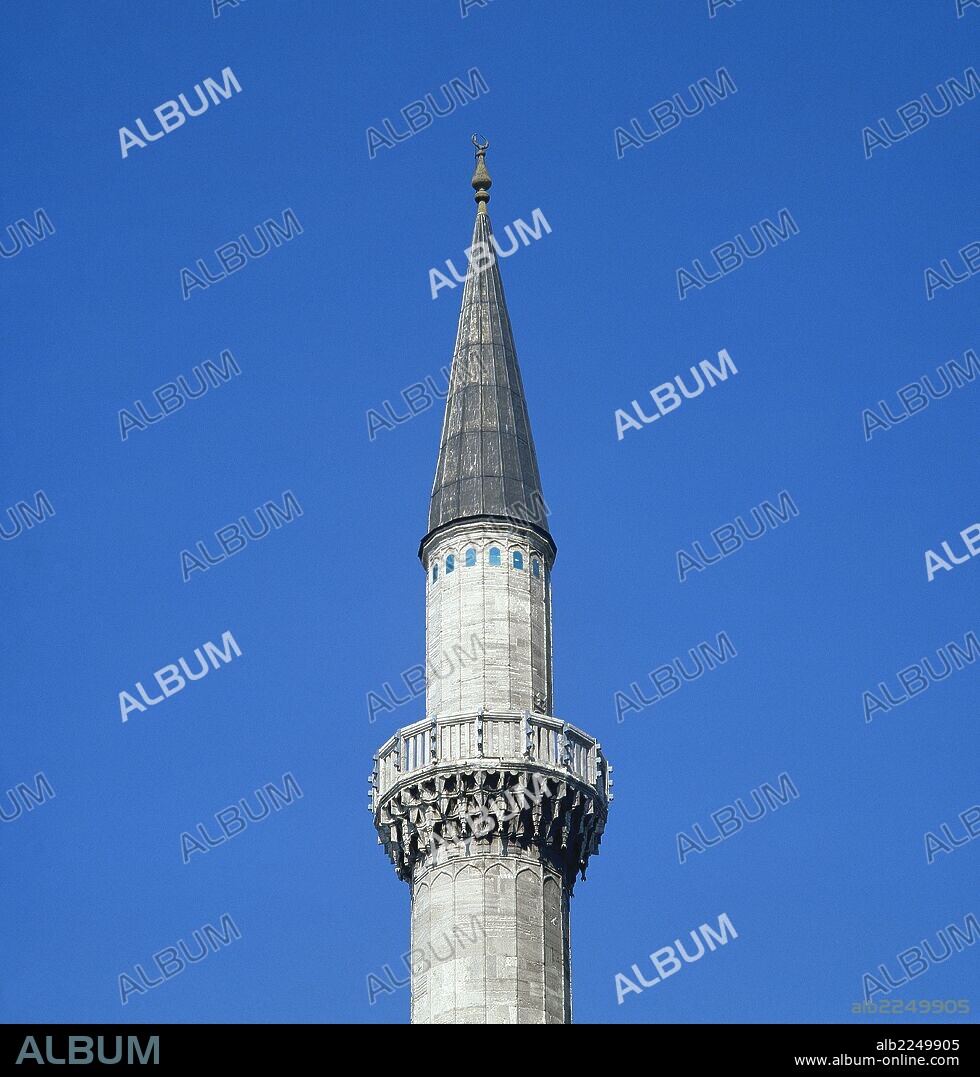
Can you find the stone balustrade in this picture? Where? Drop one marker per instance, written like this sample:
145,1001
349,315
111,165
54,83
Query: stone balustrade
498,738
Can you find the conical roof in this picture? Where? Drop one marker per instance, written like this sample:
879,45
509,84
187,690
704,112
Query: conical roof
487,463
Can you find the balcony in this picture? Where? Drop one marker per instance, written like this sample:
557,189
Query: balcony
489,739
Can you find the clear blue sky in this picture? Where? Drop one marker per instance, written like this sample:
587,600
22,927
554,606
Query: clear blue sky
327,608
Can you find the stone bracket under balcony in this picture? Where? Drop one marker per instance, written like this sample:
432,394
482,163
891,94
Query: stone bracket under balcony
500,784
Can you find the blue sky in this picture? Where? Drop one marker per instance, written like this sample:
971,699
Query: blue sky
337,320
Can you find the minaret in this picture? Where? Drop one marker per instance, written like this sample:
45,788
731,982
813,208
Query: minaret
490,806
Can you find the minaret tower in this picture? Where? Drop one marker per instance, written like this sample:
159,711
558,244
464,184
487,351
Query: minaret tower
490,806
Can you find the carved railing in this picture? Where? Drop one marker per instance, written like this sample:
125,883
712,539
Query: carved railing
498,737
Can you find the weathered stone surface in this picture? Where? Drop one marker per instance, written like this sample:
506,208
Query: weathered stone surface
477,931
488,627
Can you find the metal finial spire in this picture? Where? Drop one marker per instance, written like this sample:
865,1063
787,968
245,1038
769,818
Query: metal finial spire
481,181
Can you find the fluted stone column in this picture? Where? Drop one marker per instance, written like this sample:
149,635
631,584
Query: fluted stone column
490,943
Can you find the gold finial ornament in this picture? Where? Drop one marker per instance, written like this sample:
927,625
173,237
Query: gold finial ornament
481,181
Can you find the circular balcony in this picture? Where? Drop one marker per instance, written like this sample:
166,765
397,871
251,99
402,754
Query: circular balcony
466,780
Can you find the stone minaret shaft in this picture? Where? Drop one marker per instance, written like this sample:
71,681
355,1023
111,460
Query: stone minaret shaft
490,806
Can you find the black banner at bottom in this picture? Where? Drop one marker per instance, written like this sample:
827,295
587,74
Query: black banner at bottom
790,1047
